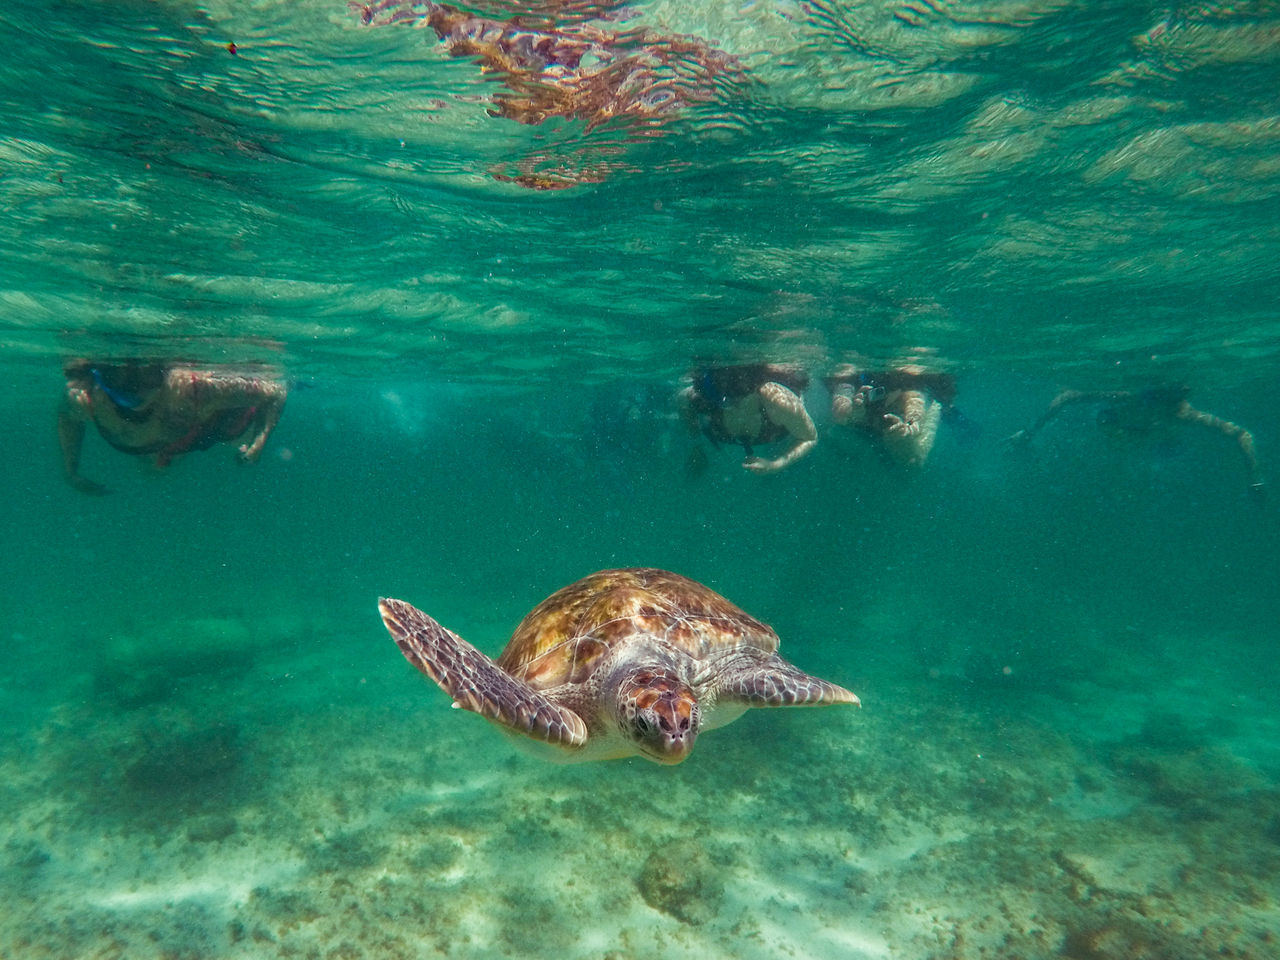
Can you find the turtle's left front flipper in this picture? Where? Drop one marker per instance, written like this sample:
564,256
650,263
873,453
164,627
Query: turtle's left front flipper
475,682
776,683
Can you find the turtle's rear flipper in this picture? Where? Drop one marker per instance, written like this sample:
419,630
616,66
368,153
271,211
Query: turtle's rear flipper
475,682
776,683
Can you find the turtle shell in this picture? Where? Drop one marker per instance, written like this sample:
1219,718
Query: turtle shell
563,639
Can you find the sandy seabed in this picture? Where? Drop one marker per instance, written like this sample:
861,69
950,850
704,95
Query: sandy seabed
218,801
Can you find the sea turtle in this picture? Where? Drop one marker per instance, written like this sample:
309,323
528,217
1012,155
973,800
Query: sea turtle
621,662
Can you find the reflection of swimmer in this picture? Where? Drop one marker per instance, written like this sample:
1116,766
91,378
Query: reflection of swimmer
751,405
577,70
1146,414
900,408
147,408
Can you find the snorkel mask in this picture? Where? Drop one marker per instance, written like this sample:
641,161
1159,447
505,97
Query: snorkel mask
118,397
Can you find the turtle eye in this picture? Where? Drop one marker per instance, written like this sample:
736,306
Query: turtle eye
642,724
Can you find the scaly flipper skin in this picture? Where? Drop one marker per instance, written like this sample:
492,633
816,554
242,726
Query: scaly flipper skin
475,682
776,683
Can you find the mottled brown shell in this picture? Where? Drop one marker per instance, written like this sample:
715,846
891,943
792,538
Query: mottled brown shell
563,639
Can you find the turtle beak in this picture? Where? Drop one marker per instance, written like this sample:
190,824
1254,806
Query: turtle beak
670,724
677,726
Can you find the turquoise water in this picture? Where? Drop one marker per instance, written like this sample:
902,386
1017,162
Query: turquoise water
1065,653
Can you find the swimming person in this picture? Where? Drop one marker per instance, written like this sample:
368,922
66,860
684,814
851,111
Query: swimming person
165,409
899,408
751,405
1146,414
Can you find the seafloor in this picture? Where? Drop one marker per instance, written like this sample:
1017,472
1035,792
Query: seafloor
194,794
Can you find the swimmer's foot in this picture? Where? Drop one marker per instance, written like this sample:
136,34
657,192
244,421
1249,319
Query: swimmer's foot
88,486
1019,439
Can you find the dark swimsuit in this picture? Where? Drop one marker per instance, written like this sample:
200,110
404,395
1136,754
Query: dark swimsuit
716,432
219,428
710,399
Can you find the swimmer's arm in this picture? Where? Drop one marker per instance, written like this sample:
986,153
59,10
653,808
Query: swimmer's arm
842,403
1064,399
913,413
267,397
688,416
72,416
264,421
1243,437
848,404
787,410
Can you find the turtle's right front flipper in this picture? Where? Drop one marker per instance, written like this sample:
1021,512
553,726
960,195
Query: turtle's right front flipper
475,682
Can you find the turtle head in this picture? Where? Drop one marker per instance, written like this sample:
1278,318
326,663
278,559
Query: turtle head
659,712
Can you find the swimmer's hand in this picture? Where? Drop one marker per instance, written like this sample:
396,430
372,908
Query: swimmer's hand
841,408
900,427
760,465
852,406
250,452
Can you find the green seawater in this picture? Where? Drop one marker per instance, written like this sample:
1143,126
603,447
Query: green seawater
1066,652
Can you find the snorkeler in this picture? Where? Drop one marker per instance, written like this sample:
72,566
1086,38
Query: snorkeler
1146,414
751,405
148,408
900,408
